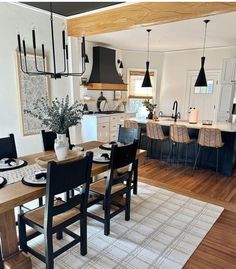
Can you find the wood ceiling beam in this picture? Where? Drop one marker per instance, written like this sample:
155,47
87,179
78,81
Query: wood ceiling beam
143,14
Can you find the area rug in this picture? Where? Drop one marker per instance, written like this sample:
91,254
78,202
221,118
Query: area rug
164,230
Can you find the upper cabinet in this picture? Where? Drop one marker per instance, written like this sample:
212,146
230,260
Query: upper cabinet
229,71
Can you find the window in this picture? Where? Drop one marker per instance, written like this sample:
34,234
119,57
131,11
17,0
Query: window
136,93
208,89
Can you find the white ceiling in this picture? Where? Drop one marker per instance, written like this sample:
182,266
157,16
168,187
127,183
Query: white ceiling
181,35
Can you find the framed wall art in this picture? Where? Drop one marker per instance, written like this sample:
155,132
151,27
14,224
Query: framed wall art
30,89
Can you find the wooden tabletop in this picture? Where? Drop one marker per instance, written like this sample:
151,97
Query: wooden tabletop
16,194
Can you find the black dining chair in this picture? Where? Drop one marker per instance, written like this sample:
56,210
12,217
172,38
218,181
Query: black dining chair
49,137
8,147
57,215
114,186
127,135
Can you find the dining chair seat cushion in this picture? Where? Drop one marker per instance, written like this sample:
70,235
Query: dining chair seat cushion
37,215
100,187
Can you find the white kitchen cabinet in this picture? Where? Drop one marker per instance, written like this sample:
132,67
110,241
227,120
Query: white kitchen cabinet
102,127
95,127
103,132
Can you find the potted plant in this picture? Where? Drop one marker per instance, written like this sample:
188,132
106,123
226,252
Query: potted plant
58,117
150,107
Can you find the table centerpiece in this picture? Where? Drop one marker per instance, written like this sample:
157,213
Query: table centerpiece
57,116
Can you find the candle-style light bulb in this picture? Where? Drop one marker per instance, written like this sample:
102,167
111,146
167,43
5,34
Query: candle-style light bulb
19,42
24,49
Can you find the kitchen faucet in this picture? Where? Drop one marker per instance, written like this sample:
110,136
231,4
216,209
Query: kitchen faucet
175,106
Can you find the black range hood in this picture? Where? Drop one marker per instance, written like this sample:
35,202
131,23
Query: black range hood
104,75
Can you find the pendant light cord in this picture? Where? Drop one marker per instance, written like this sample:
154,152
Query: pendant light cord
148,30
204,46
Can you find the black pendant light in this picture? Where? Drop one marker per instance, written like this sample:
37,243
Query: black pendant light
54,74
201,79
147,80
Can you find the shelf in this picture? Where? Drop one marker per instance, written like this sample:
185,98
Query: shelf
106,87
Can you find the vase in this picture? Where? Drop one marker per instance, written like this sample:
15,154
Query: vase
150,115
61,146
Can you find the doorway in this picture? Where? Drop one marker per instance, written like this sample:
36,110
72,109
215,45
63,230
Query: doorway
206,99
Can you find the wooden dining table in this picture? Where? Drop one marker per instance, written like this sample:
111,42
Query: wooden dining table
16,194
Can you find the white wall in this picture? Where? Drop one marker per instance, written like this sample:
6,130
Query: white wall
14,19
175,68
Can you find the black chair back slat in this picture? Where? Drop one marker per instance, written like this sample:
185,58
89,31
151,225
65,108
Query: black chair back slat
72,202
128,135
8,147
64,177
121,178
123,156
49,138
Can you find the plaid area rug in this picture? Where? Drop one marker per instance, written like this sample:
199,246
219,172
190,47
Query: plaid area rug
164,230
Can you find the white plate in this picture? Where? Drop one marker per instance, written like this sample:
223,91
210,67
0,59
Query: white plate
109,146
32,181
3,181
4,165
99,159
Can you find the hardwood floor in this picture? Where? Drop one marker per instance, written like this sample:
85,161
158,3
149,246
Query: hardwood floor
218,248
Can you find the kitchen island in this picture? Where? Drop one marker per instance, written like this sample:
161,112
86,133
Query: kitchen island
227,154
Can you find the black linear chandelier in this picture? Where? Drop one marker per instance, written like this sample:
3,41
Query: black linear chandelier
55,74
201,79
147,80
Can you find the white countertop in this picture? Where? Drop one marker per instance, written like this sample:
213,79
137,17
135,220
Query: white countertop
98,115
223,126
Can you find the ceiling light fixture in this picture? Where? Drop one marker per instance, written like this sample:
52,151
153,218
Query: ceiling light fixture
147,80
55,74
201,79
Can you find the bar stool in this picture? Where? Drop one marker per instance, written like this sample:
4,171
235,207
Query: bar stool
211,138
179,135
155,132
131,124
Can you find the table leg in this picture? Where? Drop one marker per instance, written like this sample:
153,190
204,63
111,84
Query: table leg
13,258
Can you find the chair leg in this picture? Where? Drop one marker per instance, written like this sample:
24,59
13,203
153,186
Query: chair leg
150,148
161,150
186,154
59,235
198,153
22,234
170,152
48,251
217,159
1,260
127,205
176,154
107,216
40,201
135,178
83,235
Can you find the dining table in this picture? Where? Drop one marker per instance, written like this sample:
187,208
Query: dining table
16,194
